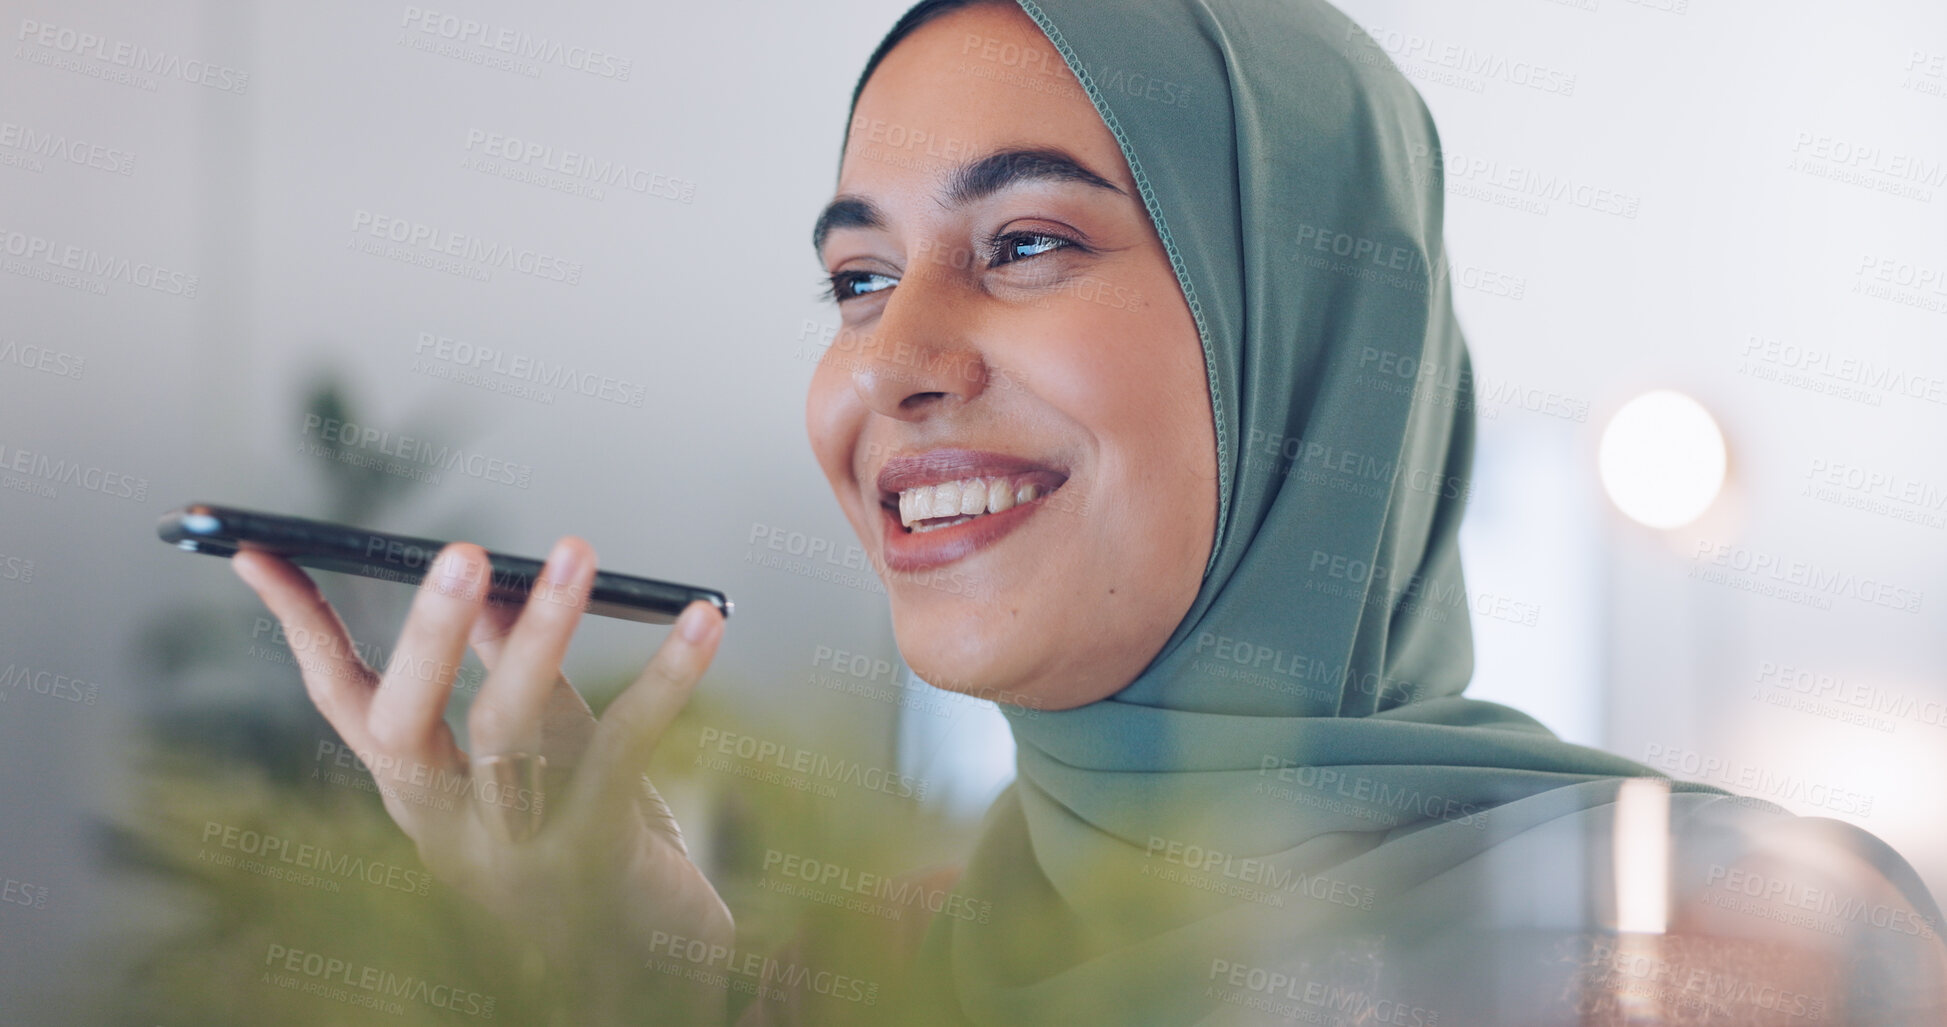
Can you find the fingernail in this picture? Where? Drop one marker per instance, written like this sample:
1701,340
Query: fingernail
451,571
564,562
695,625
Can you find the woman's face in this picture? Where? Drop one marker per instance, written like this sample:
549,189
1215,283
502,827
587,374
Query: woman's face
1016,370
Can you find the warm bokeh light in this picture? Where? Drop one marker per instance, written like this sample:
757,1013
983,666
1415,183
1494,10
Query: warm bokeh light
1662,459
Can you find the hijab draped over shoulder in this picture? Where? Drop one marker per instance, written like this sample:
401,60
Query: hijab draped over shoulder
1293,814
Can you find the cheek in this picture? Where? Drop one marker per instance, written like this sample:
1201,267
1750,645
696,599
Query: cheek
1135,382
833,418
1135,386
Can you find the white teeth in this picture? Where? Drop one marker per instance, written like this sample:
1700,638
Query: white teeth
973,496
946,499
921,528
962,500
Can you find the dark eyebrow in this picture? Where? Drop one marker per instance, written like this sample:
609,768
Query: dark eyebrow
977,180
974,180
845,212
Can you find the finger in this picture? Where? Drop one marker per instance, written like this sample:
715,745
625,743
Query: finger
489,640
407,716
338,681
506,716
566,721
490,631
632,725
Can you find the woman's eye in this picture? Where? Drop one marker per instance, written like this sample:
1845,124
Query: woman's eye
1020,245
847,285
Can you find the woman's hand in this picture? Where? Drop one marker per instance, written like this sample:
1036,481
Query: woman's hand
607,867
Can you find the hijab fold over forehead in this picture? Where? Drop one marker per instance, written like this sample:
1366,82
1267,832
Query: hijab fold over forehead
1306,714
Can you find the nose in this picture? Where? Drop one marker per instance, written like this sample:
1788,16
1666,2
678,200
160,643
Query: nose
922,355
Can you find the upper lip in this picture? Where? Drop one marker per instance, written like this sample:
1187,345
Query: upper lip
942,465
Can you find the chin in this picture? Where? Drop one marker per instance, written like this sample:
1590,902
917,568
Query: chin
960,650
945,643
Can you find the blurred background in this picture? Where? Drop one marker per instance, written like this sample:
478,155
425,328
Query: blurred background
1744,205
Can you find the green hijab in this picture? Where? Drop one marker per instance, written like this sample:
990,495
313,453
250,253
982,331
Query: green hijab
1295,784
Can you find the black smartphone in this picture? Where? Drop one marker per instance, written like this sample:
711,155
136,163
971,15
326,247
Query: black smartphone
223,530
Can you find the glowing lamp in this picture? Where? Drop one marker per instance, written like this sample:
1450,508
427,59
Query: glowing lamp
1662,459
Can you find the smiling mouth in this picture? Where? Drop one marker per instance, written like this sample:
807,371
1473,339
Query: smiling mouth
924,508
943,488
